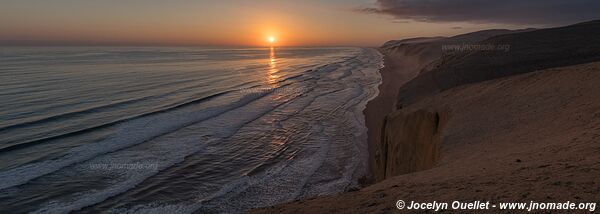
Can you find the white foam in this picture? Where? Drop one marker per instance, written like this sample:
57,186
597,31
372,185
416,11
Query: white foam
128,134
165,152
281,182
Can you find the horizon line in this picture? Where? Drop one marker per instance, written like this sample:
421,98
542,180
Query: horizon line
98,43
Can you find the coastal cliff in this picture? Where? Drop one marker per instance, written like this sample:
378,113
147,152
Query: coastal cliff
526,51
410,142
519,125
403,62
528,137
406,60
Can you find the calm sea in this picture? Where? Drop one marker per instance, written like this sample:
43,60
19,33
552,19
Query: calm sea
158,129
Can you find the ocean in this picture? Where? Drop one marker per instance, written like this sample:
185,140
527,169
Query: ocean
173,129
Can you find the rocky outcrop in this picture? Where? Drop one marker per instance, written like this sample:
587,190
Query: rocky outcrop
410,142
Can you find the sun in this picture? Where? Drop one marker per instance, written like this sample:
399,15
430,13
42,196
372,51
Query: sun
271,39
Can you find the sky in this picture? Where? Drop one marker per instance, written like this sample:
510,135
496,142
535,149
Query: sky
292,23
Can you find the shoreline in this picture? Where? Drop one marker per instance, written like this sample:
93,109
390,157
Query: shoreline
378,107
398,69
539,160
498,127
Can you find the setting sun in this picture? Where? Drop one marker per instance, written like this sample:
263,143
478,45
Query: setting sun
271,39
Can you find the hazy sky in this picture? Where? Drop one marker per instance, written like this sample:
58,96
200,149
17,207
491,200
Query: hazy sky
250,22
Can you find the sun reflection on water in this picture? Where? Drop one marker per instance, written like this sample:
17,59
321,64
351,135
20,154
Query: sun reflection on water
273,77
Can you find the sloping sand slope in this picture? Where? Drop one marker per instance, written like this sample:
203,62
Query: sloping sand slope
529,51
404,60
534,136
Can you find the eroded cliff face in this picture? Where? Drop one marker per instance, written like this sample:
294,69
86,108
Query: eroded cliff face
410,142
531,136
402,63
407,141
405,61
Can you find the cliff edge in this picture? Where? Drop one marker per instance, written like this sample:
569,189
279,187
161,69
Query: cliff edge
513,126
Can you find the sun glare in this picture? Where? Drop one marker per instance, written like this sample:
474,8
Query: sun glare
271,39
